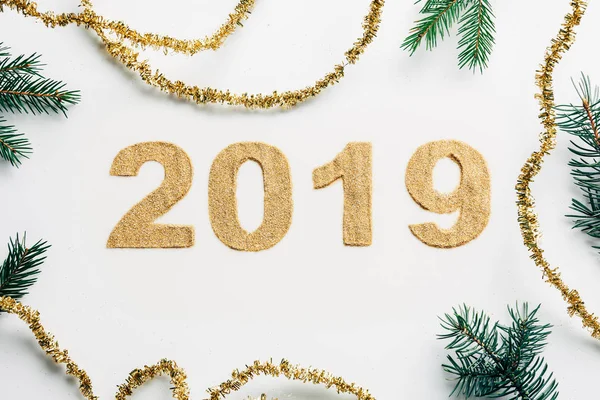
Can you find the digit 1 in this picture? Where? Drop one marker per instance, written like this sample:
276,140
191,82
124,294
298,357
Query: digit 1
354,167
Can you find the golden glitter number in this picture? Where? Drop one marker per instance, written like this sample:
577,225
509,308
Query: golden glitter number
222,203
354,167
471,197
137,228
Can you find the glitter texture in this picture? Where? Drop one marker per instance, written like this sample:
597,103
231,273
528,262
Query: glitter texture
528,220
222,202
137,228
180,389
471,197
354,167
107,29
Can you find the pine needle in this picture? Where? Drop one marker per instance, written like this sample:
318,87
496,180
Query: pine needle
476,29
491,360
31,93
23,89
4,50
439,16
19,65
583,122
21,267
13,146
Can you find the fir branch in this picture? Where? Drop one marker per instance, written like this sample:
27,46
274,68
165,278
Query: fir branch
30,93
525,337
439,16
13,146
21,267
19,65
476,29
491,360
582,121
4,50
23,89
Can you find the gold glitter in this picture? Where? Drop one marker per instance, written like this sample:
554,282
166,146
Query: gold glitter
137,228
118,48
354,167
222,202
139,377
291,372
528,220
471,197
262,397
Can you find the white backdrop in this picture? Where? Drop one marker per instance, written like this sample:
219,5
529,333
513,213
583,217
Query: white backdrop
368,314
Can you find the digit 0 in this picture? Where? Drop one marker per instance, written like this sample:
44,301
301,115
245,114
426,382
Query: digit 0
222,203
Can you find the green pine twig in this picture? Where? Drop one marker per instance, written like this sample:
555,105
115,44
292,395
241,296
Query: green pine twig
20,65
35,94
477,36
4,50
23,89
490,360
13,146
439,16
21,267
583,121
476,29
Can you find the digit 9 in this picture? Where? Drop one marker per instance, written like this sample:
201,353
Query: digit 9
471,198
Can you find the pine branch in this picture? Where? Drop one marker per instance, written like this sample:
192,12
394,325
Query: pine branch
30,93
13,146
582,121
491,360
23,89
476,29
525,338
4,50
475,344
19,65
439,16
21,267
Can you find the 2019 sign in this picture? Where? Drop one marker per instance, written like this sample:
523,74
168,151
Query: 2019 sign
353,166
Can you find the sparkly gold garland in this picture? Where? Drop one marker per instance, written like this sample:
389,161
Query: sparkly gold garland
129,58
139,377
528,220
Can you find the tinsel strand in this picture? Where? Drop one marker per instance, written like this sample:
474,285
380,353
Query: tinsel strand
125,54
48,343
528,219
89,18
180,389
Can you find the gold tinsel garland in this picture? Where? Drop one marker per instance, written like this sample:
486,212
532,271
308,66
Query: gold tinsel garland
177,375
118,48
528,220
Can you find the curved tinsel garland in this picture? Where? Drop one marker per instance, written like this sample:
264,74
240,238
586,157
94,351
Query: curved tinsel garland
139,377
528,220
104,28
